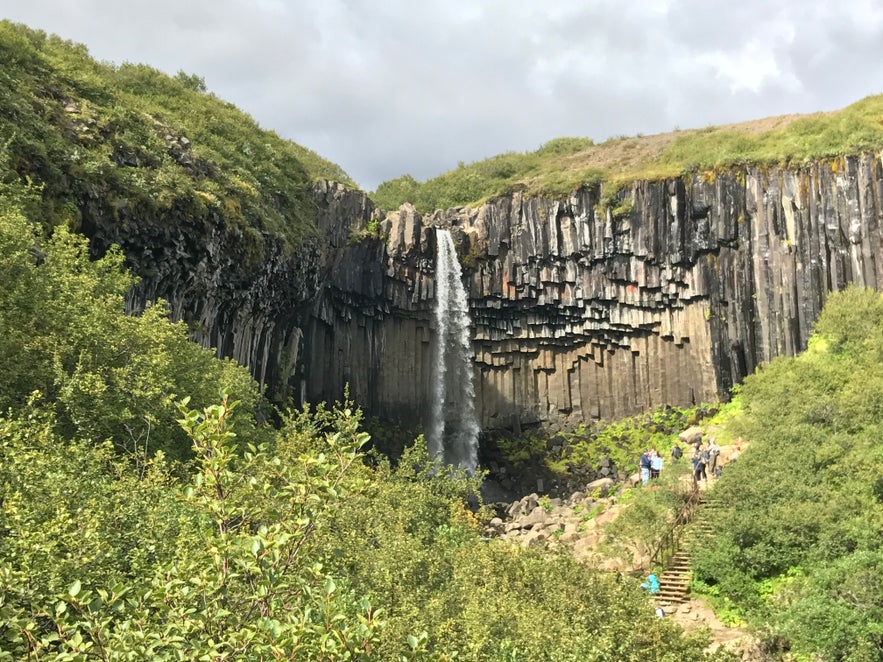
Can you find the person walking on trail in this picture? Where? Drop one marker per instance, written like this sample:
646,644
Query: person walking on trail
699,467
655,464
645,467
676,452
713,452
705,455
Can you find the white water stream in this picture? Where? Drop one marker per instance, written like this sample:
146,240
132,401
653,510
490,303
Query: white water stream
453,428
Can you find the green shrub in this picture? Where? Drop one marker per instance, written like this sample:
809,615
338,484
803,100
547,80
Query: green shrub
801,525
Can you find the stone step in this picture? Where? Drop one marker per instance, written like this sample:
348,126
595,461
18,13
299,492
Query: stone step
676,579
683,578
677,572
672,598
681,587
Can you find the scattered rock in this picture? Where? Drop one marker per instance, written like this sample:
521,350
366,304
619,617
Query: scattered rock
602,485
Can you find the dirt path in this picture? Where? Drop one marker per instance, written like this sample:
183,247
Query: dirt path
695,614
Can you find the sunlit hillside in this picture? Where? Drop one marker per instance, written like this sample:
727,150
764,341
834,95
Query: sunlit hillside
564,164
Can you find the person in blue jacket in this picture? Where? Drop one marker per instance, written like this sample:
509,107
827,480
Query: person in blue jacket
652,584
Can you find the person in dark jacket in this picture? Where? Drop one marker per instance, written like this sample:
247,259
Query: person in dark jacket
645,467
699,464
676,452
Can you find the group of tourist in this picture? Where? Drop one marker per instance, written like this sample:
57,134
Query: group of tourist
704,458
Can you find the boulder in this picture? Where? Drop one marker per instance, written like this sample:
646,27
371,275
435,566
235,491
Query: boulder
602,485
691,435
538,516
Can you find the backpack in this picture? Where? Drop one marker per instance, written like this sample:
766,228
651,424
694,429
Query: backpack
676,452
704,456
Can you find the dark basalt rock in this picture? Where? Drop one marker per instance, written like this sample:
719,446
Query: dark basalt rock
577,313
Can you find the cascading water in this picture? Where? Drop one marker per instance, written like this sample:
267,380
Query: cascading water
453,429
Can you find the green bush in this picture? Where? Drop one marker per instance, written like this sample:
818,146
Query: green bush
624,440
65,335
801,525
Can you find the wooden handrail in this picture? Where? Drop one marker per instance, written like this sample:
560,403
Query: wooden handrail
669,544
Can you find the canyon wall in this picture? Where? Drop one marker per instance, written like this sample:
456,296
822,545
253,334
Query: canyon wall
582,313
668,296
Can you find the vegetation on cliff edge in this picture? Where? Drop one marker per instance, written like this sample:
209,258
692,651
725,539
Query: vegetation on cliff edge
566,164
130,145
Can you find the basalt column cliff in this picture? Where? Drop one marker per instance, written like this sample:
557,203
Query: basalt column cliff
579,312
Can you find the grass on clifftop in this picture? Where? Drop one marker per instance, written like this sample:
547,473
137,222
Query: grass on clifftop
132,144
565,164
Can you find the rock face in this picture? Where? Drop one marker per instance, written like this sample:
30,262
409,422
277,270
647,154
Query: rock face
239,292
579,313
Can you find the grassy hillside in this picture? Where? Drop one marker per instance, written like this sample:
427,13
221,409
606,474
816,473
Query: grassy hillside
133,143
564,164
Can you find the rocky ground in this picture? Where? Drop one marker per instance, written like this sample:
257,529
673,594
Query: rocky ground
695,614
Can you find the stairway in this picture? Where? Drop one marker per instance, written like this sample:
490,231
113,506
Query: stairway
675,580
674,583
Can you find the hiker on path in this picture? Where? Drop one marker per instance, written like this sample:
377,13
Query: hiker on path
699,467
676,452
645,467
655,464
713,452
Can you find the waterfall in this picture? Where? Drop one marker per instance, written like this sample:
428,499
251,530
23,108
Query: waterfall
453,429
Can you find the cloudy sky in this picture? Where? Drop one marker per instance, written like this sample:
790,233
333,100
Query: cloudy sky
388,87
